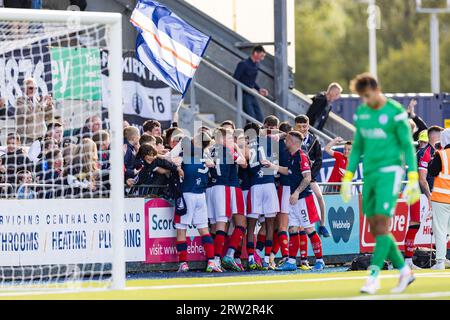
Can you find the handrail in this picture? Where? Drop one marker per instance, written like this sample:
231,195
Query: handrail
224,102
252,92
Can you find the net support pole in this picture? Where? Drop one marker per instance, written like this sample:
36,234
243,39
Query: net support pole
117,179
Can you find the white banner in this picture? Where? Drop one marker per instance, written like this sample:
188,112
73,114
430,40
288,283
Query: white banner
59,231
143,95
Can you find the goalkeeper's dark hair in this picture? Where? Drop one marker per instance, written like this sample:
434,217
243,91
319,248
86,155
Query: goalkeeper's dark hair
362,82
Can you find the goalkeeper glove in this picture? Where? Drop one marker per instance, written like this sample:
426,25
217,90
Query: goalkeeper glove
346,187
412,190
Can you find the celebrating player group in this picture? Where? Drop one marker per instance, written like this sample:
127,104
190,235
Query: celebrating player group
256,187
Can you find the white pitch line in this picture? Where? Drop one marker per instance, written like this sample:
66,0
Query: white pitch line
393,296
246,283
228,284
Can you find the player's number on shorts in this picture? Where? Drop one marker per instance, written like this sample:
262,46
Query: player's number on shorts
157,103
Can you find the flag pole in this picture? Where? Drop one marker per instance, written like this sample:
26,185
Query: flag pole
180,104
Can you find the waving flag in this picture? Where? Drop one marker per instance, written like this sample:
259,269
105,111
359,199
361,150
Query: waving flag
169,47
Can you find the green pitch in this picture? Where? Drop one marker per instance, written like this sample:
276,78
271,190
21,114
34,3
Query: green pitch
342,285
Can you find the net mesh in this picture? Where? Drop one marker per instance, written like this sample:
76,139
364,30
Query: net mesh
55,211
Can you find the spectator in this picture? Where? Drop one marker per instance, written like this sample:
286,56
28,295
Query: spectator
147,138
83,174
246,72
173,138
54,174
102,140
285,127
159,145
41,163
125,124
54,134
340,162
24,191
419,124
228,124
4,112
440,199
422,141
424,156
313,149
55,131
131,148
31,113
91,126
152,127
2,171
153,170
321,106
15,159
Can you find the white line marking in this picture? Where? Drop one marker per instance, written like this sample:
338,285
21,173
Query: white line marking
232,284
393,296
246,283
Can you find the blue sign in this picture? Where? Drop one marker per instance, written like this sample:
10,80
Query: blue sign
342,221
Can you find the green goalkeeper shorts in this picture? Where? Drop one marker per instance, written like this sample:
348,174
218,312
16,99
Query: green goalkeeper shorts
380,191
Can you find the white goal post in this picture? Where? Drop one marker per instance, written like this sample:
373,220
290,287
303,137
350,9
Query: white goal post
60,29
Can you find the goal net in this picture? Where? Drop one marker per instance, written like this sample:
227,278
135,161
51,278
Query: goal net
61,153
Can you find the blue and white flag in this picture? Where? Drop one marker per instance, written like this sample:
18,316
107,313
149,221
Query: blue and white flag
169,47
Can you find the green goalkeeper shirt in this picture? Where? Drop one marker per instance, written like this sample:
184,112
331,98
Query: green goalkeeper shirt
383,138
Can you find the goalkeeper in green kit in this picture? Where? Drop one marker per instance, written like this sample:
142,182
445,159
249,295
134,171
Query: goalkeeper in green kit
383,139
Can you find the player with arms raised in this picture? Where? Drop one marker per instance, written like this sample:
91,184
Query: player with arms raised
383,137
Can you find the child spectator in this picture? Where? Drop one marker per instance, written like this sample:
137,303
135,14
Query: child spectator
131,148
159,146
53,176
41,166
103,142
153,170
24,191
83,174
147,138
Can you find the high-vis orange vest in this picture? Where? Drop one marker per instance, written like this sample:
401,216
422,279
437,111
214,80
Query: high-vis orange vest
441,188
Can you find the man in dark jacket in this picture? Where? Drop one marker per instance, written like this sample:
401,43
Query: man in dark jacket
313,149
321,105
246,72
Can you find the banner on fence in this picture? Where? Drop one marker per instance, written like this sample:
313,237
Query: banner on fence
399,226
66,231
342,220
160,234
144,96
